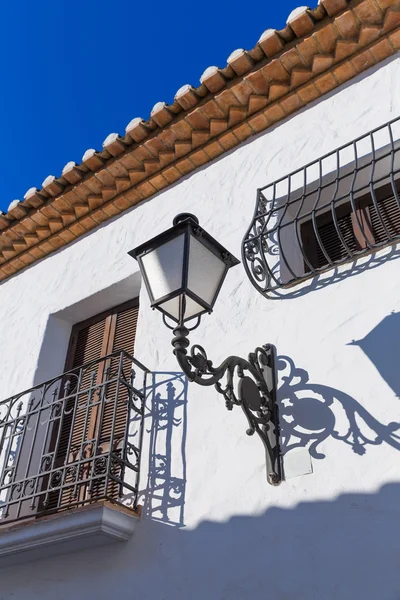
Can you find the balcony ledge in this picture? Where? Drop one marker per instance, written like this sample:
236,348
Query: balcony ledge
70,531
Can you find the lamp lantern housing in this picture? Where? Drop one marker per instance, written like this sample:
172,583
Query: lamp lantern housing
183,269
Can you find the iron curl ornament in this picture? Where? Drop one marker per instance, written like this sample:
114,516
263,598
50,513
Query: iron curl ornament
183,270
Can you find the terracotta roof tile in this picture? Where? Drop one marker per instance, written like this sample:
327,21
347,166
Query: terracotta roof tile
301,21
271,43
333,7
213,79
317,50
240,61
113,143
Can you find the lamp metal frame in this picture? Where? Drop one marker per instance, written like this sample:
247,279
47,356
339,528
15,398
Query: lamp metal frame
187,225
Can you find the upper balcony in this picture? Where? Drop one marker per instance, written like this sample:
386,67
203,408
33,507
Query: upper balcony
71,442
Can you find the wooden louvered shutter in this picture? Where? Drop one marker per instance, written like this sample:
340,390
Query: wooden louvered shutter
390,215
88,345
329,237
111,427
331,241
363,228
109,332
122,337
356,231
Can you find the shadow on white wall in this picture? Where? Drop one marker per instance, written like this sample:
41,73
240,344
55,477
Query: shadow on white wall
164,496
382,346
333,275
347,549
312,412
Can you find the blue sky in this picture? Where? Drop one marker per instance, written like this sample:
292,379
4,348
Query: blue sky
73,72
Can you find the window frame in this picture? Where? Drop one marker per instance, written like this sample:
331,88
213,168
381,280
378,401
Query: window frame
110,316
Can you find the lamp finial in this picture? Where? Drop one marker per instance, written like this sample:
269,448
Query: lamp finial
184,217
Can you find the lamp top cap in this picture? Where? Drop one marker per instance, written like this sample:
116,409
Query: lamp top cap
184,217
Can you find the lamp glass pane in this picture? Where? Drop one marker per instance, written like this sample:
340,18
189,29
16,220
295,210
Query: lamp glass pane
205,271
163,267
172,307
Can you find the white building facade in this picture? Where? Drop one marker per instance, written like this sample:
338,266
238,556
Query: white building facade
211,526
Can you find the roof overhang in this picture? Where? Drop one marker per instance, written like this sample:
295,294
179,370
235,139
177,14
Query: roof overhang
317,51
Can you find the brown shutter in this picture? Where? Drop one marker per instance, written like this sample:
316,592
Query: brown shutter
89,419
329,237
361,222
122,338
112,423
364,229
390,215
86,345
331,241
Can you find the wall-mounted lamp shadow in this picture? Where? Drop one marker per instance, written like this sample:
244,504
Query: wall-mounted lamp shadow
382,346
311,412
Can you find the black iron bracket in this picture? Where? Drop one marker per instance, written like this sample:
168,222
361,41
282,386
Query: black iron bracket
250,384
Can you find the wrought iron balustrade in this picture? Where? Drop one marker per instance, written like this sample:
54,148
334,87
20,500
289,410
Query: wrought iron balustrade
73,440
334,210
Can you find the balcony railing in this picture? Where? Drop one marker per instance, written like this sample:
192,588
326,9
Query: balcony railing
334,210
73,440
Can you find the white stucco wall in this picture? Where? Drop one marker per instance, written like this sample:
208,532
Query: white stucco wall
330,534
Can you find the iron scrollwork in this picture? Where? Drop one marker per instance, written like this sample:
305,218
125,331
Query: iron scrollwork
255,392
84,467
285,244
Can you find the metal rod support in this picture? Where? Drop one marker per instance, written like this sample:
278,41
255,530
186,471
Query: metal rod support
255,391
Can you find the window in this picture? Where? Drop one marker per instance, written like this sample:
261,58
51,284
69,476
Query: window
334,210
76,438
91,425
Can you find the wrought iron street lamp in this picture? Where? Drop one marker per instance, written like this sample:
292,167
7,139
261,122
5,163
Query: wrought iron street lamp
183,270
